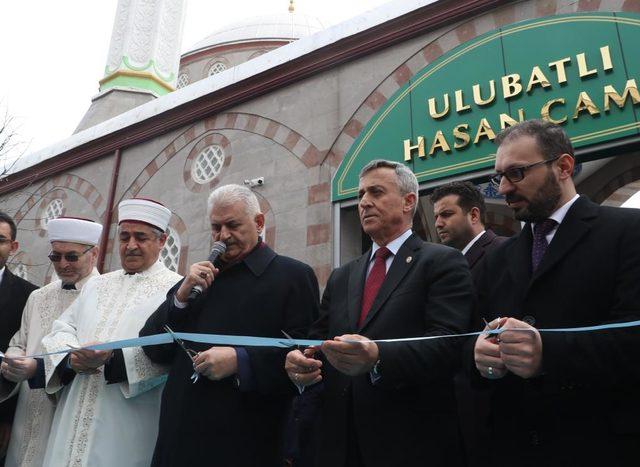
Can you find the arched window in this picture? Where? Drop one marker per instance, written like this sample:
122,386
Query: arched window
183,80
216,68
54,209
207,164
170,254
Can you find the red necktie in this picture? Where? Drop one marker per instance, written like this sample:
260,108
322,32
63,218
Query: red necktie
374,281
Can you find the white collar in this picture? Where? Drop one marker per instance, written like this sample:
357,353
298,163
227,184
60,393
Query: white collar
471,243
394,245
2,273
560,213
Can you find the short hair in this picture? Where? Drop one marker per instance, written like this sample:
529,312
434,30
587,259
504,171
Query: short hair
551,138
469,197
7,219
407,181
233,193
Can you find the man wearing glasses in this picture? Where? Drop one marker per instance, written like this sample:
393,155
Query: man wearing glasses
14,292
109,401
560,398
73,254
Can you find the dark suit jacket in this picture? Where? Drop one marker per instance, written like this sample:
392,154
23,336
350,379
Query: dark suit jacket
408,418
14,292
583,410
215,422
488,242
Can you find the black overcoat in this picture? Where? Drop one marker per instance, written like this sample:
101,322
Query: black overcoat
584,409
215,422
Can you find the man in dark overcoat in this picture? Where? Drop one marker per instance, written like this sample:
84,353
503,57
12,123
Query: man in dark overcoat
14,292
560,398
233,415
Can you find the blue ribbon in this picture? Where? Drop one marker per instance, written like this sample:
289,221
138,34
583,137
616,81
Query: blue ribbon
251,341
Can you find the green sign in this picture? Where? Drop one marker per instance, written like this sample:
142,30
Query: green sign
578,70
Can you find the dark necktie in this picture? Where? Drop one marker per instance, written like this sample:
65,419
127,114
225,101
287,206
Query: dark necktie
540,244
374,281
69,286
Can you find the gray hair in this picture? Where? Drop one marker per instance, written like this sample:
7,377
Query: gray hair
231,194
407,181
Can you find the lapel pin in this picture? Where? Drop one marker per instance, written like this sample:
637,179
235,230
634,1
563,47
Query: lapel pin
409,259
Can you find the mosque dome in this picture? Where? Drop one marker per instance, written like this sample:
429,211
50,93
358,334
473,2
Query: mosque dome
273,27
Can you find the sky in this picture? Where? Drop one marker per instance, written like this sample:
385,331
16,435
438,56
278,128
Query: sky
52,53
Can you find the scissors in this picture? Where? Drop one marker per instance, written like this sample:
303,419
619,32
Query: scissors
191,353
290,341
487,336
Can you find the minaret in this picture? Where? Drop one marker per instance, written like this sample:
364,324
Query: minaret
143,60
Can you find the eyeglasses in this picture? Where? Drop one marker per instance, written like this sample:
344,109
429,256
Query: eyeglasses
5,240
516,174
69,257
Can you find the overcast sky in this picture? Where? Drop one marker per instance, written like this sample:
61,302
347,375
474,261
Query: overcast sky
53,52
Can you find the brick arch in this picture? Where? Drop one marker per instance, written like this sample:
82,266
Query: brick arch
619,189
65,181
454,37
277,132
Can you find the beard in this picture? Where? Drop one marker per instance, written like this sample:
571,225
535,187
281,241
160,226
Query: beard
542,204
459,239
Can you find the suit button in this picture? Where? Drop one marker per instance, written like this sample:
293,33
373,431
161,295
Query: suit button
530,320
534,438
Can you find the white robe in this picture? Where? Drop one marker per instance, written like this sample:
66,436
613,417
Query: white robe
34,412
96,424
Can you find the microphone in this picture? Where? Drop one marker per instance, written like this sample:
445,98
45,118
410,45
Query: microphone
218,249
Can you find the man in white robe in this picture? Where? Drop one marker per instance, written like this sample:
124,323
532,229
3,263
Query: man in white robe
74,252
110,400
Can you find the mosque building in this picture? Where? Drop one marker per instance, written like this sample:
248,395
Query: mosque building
294,109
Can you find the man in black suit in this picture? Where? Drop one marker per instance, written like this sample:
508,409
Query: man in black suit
460,213
561,398
234,413
14,292
389,404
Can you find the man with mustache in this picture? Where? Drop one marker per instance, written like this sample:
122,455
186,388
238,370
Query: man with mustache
560,398
109,401
232,412
74,252
389,404
14,292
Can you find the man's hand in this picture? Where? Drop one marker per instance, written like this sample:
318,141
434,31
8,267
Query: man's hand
202,274
351,358
486,353
217,362
521,351
88,361
17,370
5,435
302,368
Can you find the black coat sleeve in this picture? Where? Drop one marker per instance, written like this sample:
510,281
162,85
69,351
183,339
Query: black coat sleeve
447,310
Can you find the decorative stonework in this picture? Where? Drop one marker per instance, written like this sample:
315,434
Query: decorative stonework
193,166
145,44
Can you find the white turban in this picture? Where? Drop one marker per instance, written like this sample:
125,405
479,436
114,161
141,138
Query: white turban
144,210
71,229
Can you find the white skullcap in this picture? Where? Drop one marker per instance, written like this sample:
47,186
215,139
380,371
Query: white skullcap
144,210
71,229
